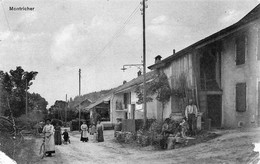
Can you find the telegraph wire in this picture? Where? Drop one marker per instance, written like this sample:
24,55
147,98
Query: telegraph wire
5,16
116,34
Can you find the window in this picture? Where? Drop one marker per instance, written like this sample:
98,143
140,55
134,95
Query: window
127,99
241,97
240,50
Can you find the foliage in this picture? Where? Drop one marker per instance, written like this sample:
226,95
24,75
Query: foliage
139,92
37,103
25,122
57,110
139,124
182,92
75,124
156,127
14,86
159,86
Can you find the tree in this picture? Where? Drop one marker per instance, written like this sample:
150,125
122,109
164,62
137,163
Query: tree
13,87
160,87
36,102
57,110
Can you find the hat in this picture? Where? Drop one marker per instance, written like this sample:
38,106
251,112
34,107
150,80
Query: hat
48,119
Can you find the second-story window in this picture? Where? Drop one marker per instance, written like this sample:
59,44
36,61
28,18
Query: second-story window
240,50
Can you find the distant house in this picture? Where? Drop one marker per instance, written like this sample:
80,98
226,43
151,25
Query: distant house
81,105
121,102
101,107
125,100
222,74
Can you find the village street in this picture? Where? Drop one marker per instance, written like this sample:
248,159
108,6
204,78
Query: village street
232,147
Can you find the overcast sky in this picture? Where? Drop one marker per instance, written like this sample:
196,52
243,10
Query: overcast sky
99,36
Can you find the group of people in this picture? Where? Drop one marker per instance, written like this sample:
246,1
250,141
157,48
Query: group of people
186,127
95,130
52,135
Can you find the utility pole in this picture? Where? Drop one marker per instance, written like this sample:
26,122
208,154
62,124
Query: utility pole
144,63
26,97
66,111
79,95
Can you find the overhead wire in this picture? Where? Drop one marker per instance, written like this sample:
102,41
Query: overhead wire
116,34
5,16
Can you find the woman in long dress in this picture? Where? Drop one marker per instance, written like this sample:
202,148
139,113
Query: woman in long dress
100,129
48,131
57,134
84,132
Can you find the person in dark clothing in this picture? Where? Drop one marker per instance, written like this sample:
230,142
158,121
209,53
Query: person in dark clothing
165,133
66,136
57,134
100,129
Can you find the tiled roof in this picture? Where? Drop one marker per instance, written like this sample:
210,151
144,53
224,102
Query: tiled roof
137,81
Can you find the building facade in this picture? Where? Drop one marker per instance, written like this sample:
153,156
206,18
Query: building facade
221,73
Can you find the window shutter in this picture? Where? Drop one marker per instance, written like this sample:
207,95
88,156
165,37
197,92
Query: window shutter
241,97
240,50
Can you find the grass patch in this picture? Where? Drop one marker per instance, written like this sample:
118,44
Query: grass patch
20,151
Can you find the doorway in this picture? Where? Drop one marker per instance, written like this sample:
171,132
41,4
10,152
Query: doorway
214,104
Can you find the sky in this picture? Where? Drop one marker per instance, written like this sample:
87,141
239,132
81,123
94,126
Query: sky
59,37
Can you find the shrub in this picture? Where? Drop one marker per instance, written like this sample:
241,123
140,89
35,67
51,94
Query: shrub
25,122
120,136
75,124
139,123
129,137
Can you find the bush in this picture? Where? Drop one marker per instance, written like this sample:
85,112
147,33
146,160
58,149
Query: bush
25,122
75,124
139,123
120,136
129,137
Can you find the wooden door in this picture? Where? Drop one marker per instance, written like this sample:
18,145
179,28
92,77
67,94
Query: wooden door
214,104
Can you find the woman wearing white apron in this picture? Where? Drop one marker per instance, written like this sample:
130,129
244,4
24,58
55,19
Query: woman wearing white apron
48,131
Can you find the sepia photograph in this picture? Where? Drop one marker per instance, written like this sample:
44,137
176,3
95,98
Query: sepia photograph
130,81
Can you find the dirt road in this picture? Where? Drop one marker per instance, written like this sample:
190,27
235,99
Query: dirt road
231,147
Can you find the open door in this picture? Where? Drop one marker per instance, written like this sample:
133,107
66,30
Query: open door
214,109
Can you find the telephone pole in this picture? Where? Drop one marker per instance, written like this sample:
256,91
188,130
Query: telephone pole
144,63
66,111
79,94
26,97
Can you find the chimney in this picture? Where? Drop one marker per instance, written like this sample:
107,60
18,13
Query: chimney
173,51
124,82
157,59
139,73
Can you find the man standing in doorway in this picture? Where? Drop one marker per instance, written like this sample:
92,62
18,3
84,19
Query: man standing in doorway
191,113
